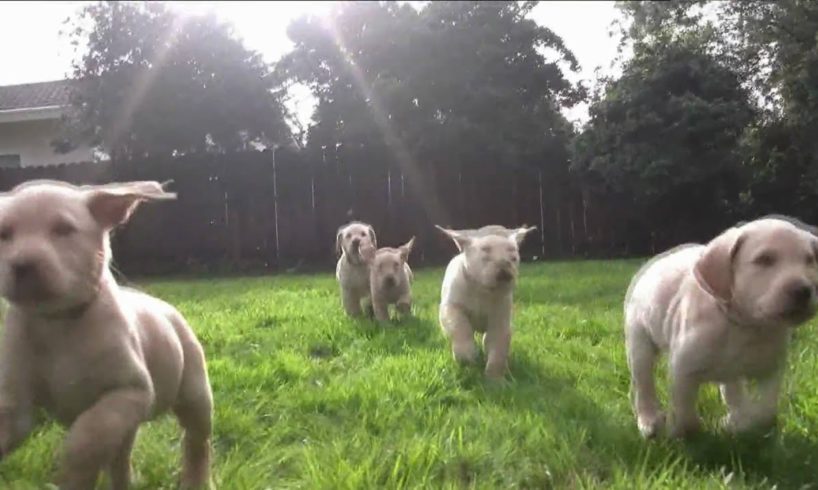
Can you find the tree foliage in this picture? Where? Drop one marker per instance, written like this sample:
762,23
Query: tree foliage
454,81
154,82
771,47
666,134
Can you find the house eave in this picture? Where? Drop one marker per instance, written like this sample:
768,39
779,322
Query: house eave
31,113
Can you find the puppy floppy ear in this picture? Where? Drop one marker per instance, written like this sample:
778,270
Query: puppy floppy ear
812,236
520,233
714,269
113,204
372,237
338,238
406,249
460,239
368,253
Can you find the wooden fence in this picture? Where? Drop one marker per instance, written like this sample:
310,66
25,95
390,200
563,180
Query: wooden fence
261,210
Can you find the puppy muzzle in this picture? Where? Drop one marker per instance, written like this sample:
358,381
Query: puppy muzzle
504,276
27,283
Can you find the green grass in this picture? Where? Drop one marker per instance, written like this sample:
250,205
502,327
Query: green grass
306,398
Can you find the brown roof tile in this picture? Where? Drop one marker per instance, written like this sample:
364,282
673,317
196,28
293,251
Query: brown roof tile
40,94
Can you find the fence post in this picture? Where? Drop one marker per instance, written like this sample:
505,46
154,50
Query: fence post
542,216
275,207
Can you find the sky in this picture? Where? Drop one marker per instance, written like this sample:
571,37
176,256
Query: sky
32,49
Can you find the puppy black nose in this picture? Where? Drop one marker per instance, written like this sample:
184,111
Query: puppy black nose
23,270
801,294
389,281
356,241
504,275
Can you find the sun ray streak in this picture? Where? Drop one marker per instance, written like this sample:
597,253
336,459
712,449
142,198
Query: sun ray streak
143,83
434,209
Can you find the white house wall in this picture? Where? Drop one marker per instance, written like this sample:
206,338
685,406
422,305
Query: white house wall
32,141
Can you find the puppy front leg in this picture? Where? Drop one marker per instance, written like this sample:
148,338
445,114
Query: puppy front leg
16,423
765,412
16,407
352,303
404,305
496,342
120,468
734,395
380,308
98,437
642,354
456,326
684,392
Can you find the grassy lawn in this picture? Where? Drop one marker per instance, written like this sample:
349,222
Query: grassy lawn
306,398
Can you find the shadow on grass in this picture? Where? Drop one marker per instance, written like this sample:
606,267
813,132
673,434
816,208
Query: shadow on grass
532,391
775,459
395,337
601,297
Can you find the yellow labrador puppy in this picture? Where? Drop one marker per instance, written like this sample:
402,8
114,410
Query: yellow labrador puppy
99,358
477,293
352,270
390,279
724,314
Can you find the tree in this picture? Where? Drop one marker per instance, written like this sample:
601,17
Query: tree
153,82
776,42
455,81
771,46
666,135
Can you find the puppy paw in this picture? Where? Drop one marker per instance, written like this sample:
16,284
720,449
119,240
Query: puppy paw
741,424
465,355
495,371
651,426
685,428
735,423
405,309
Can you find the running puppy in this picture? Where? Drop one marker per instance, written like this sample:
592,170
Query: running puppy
100,358
390,279
352,270
477,293
724,312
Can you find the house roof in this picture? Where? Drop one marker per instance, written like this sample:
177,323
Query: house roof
34,95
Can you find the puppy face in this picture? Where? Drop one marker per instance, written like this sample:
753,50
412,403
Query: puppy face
765,270
54,239
491,260
387,265
352,237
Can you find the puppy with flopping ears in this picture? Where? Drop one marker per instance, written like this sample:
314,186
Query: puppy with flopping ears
352,270
724,313
100,358
477,293
390,279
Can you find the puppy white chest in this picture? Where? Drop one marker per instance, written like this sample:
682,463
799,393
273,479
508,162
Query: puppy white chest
748,354
352,276
73,372
483,307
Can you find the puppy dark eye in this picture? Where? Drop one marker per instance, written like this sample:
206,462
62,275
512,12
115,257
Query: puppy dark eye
63,229
764,260
810,260
6,233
